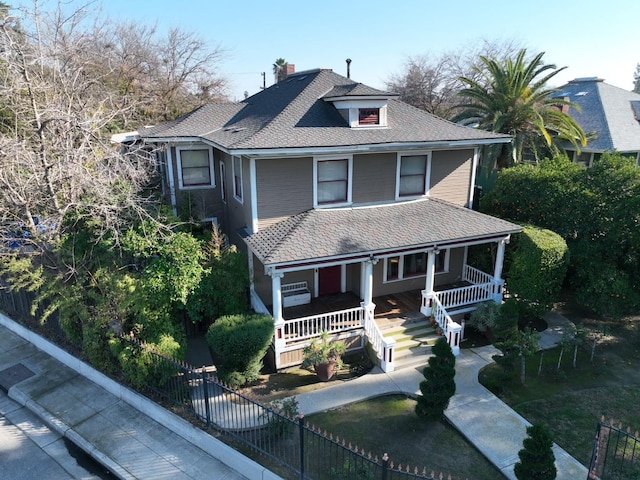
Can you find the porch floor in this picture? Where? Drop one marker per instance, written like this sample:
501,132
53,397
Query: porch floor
389,308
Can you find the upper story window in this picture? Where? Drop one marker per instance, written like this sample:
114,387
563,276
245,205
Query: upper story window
412,175
237,179
333,181
195,167
413,265
369,116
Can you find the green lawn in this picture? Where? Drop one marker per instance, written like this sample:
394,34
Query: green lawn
389,425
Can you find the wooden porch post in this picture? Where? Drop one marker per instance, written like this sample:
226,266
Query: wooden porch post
498,282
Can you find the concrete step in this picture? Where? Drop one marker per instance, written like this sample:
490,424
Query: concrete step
414,340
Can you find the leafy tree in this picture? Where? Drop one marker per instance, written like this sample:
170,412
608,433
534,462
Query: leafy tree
595,210
537,461
526,345
636,79
439,385
512,97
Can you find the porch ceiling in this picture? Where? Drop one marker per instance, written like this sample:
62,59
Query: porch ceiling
325,234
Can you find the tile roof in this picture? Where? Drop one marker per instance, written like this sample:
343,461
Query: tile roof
326,233
293,114
606,111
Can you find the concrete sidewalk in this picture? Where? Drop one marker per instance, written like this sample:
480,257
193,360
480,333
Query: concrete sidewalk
487,422
130,435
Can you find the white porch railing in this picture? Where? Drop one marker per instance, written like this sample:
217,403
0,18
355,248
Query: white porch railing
473,275
384,348
304,328
451,330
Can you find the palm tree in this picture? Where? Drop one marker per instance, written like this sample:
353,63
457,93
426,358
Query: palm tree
280,69
513,98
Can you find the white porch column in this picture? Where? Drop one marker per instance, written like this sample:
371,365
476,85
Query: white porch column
498,282
427,293
276,295
279,341
368,281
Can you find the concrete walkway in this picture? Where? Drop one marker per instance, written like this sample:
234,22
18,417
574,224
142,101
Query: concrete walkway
133,437
488,423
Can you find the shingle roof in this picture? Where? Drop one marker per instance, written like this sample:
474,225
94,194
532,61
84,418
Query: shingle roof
356,90
607,111
327,233
293,114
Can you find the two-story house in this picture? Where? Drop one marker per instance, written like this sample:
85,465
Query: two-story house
341,194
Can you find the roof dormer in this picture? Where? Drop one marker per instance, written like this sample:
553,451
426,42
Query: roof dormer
361,106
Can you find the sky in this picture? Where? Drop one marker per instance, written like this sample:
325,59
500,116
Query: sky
590,37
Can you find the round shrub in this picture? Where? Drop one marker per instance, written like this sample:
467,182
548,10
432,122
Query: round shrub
240,342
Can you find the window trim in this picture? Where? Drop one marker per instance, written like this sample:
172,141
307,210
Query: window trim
223,181
212,174
240,197
427,173
402,277
349,200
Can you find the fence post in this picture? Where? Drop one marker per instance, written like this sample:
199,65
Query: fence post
385,466
301,429
205,390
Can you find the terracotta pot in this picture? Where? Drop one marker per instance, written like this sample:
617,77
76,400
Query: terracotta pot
325,370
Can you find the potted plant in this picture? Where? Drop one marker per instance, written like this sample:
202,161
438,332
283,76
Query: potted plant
484,318
324,356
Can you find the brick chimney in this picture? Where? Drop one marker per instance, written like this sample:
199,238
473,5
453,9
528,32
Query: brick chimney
291,68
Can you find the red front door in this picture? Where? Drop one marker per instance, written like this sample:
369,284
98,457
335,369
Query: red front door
329,280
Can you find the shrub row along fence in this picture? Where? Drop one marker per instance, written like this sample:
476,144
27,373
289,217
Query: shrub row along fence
616,453
303,450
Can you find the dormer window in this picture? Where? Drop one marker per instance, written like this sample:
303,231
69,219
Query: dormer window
369,116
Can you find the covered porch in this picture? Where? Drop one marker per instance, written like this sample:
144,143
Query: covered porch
308,261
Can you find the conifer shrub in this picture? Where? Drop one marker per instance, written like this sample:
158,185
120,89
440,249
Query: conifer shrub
438,385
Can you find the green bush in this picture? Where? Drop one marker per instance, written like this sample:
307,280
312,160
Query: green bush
141,366
240,342
538,268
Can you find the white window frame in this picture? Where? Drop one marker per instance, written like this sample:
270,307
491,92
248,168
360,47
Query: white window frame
223,181
349,201
239,196
212,173
427,173
401,275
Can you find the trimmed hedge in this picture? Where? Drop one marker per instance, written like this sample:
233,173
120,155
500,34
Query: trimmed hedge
538,267
240,342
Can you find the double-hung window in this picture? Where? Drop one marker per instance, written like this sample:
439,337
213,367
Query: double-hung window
333,181
412,175
195,167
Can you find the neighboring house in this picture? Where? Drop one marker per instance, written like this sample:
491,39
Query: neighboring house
339,192
608,114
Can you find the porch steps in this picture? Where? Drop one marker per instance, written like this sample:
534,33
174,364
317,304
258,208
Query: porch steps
414,339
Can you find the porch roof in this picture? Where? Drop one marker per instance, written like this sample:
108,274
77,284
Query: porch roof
326,234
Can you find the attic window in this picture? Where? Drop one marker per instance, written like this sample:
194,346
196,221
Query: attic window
369,116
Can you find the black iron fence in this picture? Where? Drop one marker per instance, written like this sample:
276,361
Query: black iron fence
269,430
616,453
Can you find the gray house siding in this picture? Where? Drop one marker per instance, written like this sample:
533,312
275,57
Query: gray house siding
284,188
451,175
374,178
